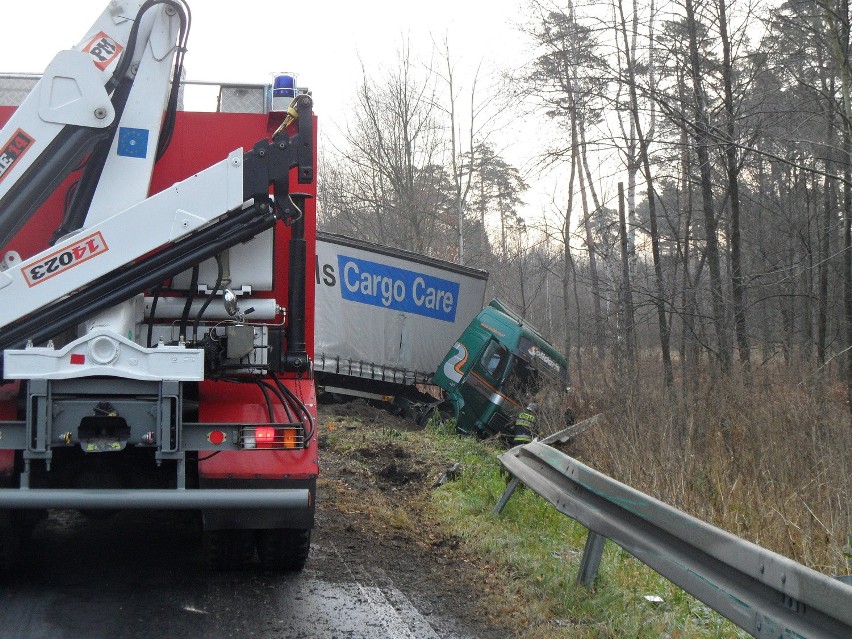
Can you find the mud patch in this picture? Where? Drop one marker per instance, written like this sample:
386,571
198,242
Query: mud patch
383,452
371,492
398,475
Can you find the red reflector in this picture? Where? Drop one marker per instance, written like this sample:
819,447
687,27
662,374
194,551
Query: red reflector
216,437
78,359
264,436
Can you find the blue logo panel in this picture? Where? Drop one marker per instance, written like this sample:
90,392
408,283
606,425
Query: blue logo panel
398,289
132,143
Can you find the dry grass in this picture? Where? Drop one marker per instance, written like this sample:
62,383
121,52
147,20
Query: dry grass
522,563
765,458
769,460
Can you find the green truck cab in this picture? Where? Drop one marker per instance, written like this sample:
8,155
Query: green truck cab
495,367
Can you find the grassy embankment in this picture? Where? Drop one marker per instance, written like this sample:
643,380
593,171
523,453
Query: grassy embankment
767,462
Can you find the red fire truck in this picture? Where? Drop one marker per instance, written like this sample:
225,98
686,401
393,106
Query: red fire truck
156,294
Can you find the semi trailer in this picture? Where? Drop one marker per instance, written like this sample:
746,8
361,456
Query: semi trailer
385,317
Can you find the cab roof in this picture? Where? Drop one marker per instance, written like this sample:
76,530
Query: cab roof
522,338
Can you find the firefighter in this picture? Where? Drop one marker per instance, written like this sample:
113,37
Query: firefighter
525,425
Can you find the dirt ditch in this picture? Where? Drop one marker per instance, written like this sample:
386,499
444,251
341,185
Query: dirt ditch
369,500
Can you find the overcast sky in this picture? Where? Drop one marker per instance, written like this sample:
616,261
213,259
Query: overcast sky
249,40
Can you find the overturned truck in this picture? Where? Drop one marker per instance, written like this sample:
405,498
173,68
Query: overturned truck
390,323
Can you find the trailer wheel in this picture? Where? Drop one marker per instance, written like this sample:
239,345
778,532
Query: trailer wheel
229,549
283,549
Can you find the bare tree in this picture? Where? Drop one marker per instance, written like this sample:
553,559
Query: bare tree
391,162
702,149
462,173
627,293
659,302
732,167
837,15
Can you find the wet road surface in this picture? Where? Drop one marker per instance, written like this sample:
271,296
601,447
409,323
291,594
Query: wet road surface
144,575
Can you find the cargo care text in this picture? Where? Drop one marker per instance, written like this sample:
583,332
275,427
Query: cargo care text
400,289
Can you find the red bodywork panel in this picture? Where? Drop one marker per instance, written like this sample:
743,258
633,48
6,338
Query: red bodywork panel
200,140
8,411
245,403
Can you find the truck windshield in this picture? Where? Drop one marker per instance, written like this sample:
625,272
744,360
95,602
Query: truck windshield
523,380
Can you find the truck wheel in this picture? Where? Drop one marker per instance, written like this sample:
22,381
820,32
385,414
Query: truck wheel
28,521
283,549
423,415
229,549
10,541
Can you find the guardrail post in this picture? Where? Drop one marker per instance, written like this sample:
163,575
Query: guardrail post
591,560
510,488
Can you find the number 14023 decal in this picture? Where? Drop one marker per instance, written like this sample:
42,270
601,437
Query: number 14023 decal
65,258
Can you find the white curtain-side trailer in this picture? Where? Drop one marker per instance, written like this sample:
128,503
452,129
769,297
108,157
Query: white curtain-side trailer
385,317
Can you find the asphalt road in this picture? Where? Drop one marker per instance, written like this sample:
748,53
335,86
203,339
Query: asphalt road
144,575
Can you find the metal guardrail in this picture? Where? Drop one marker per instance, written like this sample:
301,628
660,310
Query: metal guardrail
762,592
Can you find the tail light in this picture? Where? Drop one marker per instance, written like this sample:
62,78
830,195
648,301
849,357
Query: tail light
273,437
264,436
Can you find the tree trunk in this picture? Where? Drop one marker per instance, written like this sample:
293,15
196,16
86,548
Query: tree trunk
568,266
825,242
584,162
597,317
579,347
710,222
626,292
733,170
847,196
847,258
689,306
808,274
840,34
659,302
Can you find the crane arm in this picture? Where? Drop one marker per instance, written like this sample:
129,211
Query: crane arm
93,103
138,248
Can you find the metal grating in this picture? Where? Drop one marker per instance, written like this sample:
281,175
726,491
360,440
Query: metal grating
366,370
14,89
243,99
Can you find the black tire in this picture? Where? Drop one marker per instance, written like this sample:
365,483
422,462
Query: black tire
28,521
283,549
425,414
229,549
10,541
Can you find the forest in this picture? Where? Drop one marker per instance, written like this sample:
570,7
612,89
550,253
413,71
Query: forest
695,259
741,252
694,256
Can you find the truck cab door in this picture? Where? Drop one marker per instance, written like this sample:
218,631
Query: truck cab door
487,410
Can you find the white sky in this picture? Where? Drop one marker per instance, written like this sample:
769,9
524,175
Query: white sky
248,40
